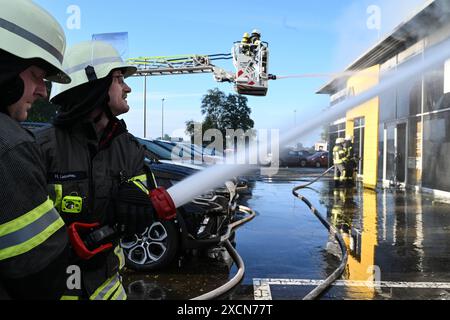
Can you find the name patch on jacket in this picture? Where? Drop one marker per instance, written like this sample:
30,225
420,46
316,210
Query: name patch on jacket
67,176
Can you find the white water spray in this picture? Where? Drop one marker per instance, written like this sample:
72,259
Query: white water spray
329,75
186,190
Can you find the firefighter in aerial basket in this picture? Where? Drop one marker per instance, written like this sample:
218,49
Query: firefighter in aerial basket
255,40
246,43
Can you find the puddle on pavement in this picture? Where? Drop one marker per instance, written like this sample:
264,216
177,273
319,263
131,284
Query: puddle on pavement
390,235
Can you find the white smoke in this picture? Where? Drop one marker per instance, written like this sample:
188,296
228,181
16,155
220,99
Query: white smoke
366,22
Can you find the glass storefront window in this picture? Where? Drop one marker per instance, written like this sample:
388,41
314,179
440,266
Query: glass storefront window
358,142
434,89
414,161
436,151
390,153
380,151
388,102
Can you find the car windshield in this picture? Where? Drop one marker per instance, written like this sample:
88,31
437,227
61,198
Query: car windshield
179,149
161,152
204,151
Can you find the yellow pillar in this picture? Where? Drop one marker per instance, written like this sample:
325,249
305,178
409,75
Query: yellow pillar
370,112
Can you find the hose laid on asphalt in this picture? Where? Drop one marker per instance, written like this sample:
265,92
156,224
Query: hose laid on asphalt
230,284
318,291
222,290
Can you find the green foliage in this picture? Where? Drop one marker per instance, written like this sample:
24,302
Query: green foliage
42,110
222,112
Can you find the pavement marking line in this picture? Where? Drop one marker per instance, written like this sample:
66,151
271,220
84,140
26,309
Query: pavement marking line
262,286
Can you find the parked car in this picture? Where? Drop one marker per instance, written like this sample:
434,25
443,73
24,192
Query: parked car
294,158
319,159
201,224
160,152
186,152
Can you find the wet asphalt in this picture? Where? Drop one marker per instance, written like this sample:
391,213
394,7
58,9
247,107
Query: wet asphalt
398,244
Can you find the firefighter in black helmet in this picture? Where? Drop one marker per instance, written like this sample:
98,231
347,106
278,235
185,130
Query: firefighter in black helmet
33,237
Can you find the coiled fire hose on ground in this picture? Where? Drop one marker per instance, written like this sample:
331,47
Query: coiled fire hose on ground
319,290
233,282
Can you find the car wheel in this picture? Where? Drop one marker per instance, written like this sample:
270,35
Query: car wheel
303,163
154,249
318,165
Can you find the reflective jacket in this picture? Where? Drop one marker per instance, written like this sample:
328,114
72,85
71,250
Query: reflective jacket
33,237
338,154
82,164
349,152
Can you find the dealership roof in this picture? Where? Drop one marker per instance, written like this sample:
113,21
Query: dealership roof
429,17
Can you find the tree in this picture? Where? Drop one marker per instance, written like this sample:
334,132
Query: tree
212,105
165,138
222,112
43,110
192,128
236,113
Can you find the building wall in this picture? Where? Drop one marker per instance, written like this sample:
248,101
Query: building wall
370,111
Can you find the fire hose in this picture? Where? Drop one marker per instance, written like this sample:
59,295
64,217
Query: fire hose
233,282
89,240
319,290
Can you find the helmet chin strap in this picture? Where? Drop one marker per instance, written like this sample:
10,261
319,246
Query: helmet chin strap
10,93
105,110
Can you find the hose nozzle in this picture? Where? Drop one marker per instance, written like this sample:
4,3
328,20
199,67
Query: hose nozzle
163,204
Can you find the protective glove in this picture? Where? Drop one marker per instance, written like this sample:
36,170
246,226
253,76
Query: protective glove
134,211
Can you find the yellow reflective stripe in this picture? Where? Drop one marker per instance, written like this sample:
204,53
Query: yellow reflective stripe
120,294
70,298
119,253
26,219
58,197
112,290
140,186
99,289
105,288
154,180
142,177
33,242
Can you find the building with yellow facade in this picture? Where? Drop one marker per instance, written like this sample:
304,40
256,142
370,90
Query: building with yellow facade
402,137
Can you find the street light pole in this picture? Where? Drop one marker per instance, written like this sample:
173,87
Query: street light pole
145,107
162,119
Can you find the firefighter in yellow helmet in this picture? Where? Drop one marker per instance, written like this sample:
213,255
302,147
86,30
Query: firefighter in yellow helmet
34,247
94,161
245,43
